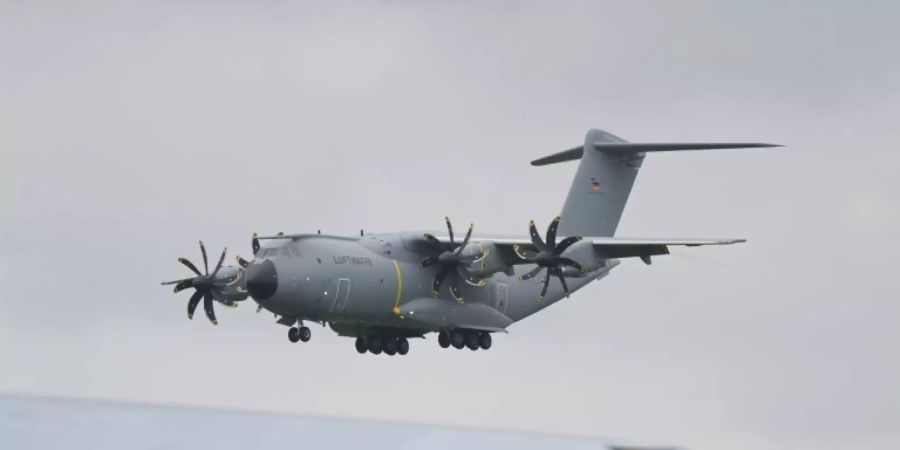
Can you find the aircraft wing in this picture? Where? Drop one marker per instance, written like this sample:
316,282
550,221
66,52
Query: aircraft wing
607,247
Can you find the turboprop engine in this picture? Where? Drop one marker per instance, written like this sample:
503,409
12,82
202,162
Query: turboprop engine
223,285
583,253
487,260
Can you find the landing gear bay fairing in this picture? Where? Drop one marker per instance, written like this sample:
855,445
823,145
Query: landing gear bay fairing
385,289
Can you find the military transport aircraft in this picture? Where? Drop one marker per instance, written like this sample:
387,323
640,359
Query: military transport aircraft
383,289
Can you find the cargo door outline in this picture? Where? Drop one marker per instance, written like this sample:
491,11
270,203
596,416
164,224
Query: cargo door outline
341,295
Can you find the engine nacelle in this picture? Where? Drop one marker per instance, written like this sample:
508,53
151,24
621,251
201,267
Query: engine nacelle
489,260
231,285
584,254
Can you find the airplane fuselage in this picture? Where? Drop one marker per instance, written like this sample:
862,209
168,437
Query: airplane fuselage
360,283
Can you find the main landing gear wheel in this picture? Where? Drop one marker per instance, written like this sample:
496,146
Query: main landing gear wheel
361,346
444,339
390,346
485,341
376,345
305,334
472,341
458,339
294,334
403,346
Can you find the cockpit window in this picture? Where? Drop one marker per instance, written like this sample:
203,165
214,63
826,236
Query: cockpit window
286,251
269,253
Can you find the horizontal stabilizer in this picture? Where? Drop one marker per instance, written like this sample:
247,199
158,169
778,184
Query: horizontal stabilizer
636,147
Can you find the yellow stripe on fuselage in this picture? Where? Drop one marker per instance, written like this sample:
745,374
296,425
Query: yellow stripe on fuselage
396,309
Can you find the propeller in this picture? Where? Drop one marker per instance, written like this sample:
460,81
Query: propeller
205,284
547,257
451,262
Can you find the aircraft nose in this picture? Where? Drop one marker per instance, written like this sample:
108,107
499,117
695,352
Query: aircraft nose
262,280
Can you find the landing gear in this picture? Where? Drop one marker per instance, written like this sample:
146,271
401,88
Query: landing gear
390,346
294,334
377,344
472,341
299,334
485,341
457,339
460,339
444,339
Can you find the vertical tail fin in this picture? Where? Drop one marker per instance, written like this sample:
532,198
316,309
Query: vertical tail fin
605,176
600,188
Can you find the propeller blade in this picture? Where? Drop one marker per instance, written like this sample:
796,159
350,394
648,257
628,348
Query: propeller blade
524,253
570,263
219,264
546,284
535,237
208,307
167,283
465,240
551,232
433,241
189,265
564,244
450,231
242,262
531,274
438,279
454,289
254,242
562,280
205,262
428,261
193,302
182,285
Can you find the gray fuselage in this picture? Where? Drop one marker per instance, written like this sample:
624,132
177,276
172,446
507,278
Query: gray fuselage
362,282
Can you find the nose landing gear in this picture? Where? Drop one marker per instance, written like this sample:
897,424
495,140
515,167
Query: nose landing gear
299,334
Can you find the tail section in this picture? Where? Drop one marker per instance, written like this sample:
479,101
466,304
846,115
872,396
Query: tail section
600,188
605,176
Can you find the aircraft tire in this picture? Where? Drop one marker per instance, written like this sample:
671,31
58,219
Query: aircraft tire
403,346
457,339
472,341
361,346
305,334
376,345
444,339
485,340
294,334
390,346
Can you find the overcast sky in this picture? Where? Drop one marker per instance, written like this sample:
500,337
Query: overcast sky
129,131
